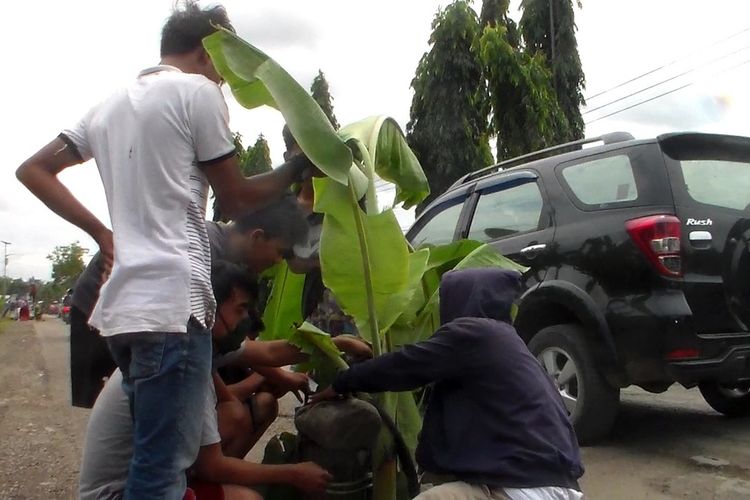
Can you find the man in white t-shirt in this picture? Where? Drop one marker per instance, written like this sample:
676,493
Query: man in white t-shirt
158,144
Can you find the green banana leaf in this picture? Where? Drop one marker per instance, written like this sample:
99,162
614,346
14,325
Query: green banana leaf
284,308
343,266
318,345
428,318
405,305
391,157
256,80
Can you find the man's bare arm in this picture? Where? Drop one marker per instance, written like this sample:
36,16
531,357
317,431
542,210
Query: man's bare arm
237,194
271,353
39,175
213,466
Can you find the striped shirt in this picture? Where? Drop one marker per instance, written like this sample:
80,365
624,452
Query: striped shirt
152,141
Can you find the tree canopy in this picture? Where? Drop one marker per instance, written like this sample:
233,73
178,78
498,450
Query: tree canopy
322,95
448,123
67,263
560,49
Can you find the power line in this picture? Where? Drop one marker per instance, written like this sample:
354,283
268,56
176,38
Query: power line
670,63
664,94
708,63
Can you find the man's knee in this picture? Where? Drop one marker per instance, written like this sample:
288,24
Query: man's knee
235,418
266,409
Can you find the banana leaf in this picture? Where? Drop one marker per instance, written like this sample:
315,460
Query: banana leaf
364,258
318,345
256,80
391,157
284,308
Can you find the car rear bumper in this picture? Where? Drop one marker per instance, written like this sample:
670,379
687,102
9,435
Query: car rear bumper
732,365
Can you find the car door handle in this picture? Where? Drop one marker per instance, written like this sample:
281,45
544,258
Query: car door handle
700,236
532,251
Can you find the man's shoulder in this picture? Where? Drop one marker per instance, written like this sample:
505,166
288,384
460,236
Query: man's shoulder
179,84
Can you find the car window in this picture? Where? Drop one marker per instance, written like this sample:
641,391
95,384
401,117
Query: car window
718,182
440,228
506,212
602,181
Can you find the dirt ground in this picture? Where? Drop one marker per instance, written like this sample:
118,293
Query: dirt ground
665,446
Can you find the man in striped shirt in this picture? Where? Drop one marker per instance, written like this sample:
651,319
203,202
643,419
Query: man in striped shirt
158,143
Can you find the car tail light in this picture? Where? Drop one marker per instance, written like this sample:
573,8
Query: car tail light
680,354
658,237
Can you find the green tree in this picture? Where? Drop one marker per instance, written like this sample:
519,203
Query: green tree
322,95
525,115
495,13
560,49
67,263
448,118
254,160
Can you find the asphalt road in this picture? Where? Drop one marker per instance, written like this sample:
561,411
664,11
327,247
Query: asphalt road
664,446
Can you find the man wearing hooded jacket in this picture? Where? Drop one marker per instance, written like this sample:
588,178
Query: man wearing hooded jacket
495,426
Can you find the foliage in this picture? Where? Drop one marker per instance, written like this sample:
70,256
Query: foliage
488,76
449,103
495,13
256,159
283,310
381,283
525,113
564,62
257,80
322,95
67,263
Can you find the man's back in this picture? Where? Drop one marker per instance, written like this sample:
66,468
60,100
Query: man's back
148,141
494,416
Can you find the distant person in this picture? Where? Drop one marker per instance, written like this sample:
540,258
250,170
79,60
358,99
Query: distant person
495,426
10,307
159,143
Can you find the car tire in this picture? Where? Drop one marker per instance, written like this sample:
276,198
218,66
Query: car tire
591,402
729,402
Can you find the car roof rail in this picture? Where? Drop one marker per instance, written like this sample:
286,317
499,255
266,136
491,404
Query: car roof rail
610,138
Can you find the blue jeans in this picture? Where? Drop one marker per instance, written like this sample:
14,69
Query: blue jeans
166,377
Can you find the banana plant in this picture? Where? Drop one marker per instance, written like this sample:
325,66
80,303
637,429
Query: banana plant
377,278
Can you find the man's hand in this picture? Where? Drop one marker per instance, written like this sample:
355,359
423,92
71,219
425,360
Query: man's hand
107,248
324,395
286,381
311,478
353,346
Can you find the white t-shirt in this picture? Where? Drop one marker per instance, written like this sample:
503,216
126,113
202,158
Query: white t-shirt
149,140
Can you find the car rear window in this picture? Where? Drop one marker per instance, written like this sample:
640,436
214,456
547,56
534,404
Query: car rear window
602,181
718,182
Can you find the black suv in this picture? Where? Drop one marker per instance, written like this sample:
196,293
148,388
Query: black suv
639,263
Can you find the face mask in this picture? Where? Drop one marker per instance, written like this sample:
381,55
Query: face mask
246,328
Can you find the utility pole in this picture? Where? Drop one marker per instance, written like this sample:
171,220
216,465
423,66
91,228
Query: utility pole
5,266
552,29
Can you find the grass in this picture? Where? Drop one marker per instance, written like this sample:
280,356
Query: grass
4,323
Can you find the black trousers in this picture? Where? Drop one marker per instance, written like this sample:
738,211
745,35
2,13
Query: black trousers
90,360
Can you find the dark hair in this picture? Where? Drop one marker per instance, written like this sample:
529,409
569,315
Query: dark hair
282,219
226,276
289,140
188,25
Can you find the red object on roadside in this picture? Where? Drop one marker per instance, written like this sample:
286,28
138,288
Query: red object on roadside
23,314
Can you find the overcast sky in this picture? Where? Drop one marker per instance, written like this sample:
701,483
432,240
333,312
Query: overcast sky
63,57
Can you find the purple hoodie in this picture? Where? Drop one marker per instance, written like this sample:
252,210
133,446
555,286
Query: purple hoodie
494,416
